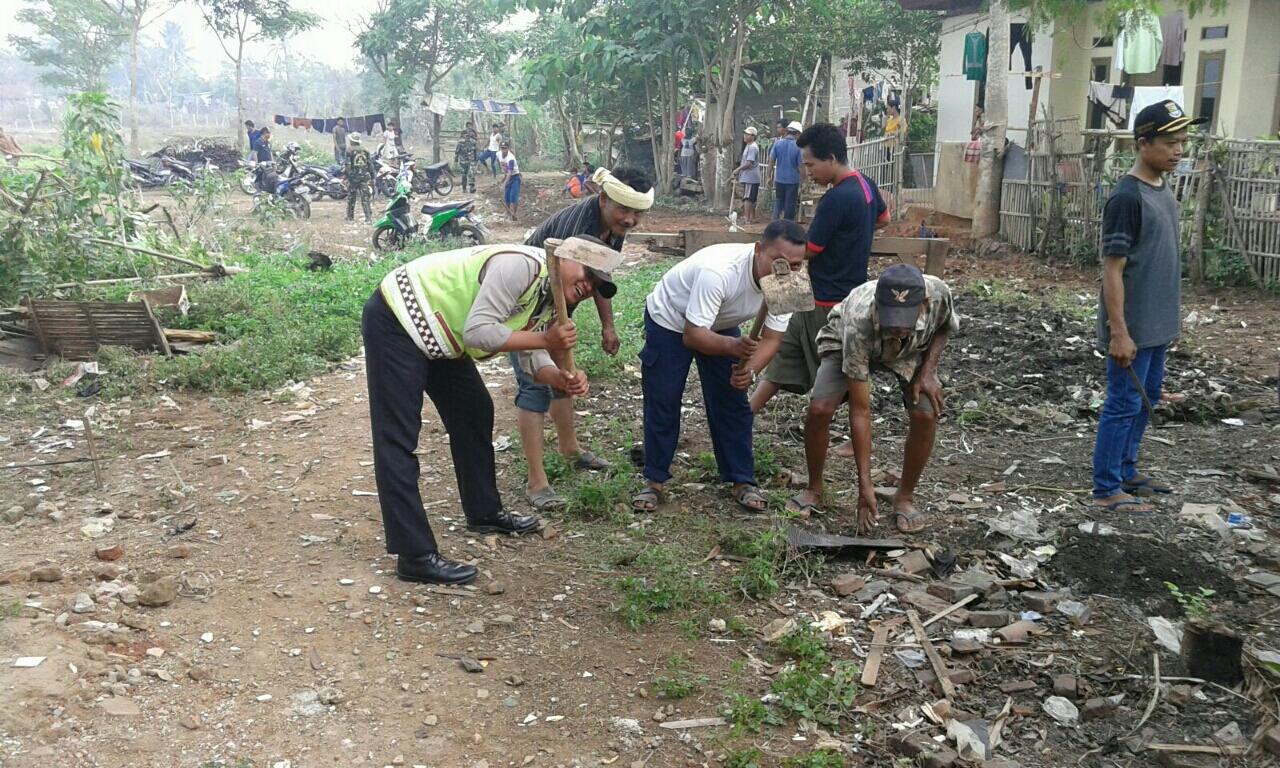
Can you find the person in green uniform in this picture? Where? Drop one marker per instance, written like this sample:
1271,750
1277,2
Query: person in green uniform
423,329
359,178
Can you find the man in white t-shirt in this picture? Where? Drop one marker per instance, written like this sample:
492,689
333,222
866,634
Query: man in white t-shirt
693,315
489,157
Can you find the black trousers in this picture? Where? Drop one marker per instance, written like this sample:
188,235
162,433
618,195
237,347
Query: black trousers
398,375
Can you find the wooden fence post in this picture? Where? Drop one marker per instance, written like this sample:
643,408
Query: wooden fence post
1195,257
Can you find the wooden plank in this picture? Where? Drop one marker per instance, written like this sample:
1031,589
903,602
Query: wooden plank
872,670
950,609
939,668
1199,749
156,329
697,239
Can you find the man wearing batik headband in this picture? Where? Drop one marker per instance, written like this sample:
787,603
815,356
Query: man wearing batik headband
423,329
625,194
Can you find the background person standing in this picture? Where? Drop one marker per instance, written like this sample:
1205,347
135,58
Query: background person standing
511,180
340,141
1138,311
464,154
786,173
748,173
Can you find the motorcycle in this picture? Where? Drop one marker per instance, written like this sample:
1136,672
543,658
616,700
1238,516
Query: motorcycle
293,191
386,172
435,178
397,227
149,174
180,171
329,181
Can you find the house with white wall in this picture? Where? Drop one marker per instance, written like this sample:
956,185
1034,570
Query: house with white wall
1229,71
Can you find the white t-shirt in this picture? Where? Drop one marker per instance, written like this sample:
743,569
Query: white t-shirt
714,288
494,140
509,163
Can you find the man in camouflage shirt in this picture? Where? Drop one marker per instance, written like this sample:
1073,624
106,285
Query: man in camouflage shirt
359,178
465,156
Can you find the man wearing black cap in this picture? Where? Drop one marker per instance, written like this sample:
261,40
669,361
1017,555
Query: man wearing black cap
1138,311
898,323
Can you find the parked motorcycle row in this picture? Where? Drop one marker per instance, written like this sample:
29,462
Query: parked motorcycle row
296,184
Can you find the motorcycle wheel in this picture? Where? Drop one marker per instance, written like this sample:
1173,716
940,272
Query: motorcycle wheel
247,185
337,190
420,183
471,234
299,206
387,239
386,187
443,185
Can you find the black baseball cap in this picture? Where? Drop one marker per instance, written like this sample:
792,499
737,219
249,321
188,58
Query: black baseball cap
1163,117
899,293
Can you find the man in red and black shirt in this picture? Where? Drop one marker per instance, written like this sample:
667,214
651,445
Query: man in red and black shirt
840,237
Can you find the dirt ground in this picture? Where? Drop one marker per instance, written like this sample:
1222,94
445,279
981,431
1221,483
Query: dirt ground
287,640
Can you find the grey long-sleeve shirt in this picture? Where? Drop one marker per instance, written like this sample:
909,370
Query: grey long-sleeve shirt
502,281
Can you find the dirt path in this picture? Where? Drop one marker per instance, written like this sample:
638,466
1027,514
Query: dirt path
291,640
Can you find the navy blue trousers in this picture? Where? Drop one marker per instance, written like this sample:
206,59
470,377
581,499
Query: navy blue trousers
664,370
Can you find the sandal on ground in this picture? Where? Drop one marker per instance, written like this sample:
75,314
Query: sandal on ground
750,498
545,499
910,522
1127,507
588,460
802,508
1139,485
646,500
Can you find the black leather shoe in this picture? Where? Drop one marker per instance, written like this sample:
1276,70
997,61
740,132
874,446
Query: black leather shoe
506,522
433,569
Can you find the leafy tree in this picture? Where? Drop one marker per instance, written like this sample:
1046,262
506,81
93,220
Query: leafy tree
238,23
76,41
134,16
415,44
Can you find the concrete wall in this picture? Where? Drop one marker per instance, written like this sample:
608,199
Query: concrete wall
956,95
1251,71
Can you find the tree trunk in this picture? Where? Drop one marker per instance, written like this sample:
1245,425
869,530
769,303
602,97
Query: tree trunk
436,124
986,210
568,134
241,138
133,86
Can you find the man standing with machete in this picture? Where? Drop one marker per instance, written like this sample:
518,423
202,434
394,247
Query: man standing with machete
693,315
625,194
423,329
1138,310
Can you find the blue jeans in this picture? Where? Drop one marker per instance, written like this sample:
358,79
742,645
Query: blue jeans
489,159
1124,419
530,395
785,200
664,370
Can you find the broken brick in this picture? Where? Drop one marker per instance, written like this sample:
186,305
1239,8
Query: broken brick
1102,706
1016,632
114,552
958,676
1065,686
1271,740
982,582
915,561
931,754
952,593
988,619
961,645
1041,601
847,583
1178,695
1017,686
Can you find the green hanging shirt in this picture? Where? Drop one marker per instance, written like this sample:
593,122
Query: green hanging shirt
975,56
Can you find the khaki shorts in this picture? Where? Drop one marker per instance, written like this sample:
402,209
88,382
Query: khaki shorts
831,381
795,367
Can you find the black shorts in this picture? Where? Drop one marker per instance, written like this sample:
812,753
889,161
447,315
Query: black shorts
750,192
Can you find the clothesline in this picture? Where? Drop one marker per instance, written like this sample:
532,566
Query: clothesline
360,124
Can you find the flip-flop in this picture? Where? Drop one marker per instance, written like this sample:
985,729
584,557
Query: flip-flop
802,508
588,460
746,495
1144,485
545,499
903,520
1126,507
646,499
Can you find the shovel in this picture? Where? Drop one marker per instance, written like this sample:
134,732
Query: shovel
585,252
785,291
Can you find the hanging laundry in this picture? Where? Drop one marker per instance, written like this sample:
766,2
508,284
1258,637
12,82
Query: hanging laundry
374,123
317,123
280,120
1139,45
1145,96
869,93
1173,28
301,122
1113,100
330,124
1020,40
975,56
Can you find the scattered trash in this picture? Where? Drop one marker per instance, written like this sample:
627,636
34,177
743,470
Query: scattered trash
1061,709
1168,633
27,662
1020,524
1097,528
971,738
912,659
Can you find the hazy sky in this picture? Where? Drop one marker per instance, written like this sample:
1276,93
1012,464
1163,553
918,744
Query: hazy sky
330,42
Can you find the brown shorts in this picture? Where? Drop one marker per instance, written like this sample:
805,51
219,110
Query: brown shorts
795,367
831,381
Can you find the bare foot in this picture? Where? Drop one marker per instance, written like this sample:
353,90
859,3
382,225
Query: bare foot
906,517
845,450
